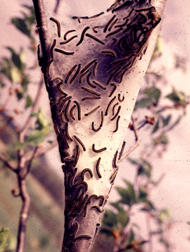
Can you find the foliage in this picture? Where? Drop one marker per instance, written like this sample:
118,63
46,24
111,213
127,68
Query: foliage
158,113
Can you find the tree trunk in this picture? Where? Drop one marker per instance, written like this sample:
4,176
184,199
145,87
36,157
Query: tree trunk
93,67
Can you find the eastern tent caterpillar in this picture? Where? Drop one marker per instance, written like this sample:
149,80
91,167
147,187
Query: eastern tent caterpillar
122,149
96,39
101,197
119,98
68,40
76,73
113,90
92,111
60,90
101,123
69,74
116,113
82,237
79,110
97,15
94,29
67,132
99,84
66,110
71,112
114,22
65,35
84,171
94,69
80,142
88,81
82,203
117,124
76,156
82,75
52,47
90,98
63,52
63,102
109,104
58,26
113,109
98,168
114,159
90,91
98,209
48,67
108,23
82,35
98,151
91,197
88,65
113,33
109,53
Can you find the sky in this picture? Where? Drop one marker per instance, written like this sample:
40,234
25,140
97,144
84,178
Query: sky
174,190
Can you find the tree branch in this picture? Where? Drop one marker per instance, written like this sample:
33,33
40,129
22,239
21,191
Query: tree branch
2,158
23,214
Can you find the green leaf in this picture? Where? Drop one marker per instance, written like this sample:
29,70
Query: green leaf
161,140
29,101
156,127
127,195
36,137
177,97
125,198
143,103
117,206
152,96
142,194
42,119
109,219
175,123
4,238
15,74
15,58
20,145
166,120
123,218
130,190
21,26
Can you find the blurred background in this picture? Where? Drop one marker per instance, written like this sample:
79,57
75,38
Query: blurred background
157,172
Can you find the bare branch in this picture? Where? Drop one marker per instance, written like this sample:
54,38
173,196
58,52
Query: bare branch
137,141
39,152
2,158
23,214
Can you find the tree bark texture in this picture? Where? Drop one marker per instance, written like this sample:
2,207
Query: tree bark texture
93,67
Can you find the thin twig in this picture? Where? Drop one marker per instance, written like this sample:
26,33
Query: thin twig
137,141
39,152
2,158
